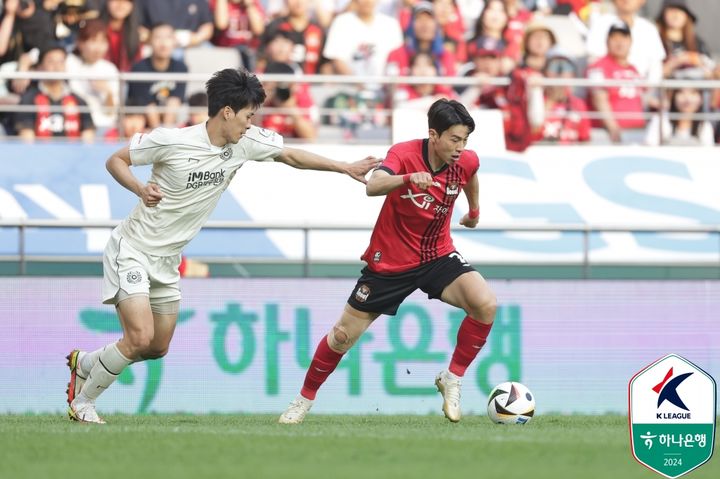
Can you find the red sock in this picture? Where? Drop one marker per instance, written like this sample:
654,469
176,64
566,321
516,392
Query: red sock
471,338
323,363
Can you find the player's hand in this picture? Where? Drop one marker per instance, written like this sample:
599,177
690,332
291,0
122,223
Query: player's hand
422,179
359,169
468,222
151,195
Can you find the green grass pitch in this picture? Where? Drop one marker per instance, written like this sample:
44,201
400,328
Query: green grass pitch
367,447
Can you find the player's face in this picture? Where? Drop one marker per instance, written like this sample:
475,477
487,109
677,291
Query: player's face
450,144
236,124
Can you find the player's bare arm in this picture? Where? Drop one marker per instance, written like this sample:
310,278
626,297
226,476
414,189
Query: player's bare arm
305,160
119,167
472,192
381,182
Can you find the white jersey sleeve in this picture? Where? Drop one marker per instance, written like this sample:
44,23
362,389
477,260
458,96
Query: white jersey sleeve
148,148
261,144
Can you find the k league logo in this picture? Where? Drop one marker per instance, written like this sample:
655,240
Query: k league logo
672,416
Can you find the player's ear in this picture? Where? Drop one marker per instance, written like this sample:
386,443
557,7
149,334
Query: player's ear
433,134
227,112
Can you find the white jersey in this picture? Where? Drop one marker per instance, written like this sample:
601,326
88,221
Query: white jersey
192,174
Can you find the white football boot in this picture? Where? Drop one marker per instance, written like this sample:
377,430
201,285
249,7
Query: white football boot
296,411
84,411
449,386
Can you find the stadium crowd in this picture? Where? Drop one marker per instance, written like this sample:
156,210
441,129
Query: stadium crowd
521,41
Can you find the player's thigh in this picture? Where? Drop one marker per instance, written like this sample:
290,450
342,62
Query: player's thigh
136,317
379,293
471,292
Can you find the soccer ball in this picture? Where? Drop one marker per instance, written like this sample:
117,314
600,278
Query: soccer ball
511,403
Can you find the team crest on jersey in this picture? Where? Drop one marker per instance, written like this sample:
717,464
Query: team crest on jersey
362,293
377,256
452,188
226,152
134,277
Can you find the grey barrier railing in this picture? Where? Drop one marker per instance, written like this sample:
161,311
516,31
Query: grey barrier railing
22,225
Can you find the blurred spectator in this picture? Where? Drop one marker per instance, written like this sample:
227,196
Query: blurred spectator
469,12
71,15
10,39
490,34
581,8
564,117
279,49
166,94
544,7
359,41
123,21
102,96
198,103
681,128
133,121
519,17
422,64
423,36
687,55
486,65
448,16
306,34
191,19
321,11
239,24
300,121
538,41
56,111
36,23
647,52
621,108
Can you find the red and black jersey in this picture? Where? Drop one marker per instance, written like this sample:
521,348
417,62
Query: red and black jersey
413,227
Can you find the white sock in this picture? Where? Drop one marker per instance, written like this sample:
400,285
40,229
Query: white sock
108,367
88,360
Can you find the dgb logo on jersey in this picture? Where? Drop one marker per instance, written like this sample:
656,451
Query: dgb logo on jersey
672,416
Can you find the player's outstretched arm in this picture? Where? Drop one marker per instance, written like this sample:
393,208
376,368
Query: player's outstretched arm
381,182
472,192
119,167
305,160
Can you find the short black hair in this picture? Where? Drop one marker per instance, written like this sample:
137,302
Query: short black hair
444,114
199,98
157,25
50,47
236,88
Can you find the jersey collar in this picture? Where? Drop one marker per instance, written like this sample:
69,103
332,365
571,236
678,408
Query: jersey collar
426,158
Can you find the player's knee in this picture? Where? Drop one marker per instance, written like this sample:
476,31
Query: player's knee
483,308
155,353
338,340
140,340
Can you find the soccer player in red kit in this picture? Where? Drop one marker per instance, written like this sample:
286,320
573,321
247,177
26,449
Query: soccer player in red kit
411,248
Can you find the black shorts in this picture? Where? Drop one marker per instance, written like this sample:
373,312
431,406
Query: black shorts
383,293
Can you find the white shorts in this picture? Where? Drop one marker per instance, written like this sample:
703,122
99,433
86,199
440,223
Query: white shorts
126,268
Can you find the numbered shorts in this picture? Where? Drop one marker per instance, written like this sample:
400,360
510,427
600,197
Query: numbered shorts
383,293
126,268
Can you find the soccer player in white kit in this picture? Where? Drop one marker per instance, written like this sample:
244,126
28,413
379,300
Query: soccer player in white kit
191,167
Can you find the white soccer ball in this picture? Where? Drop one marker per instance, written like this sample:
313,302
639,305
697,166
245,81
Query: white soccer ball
511,403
